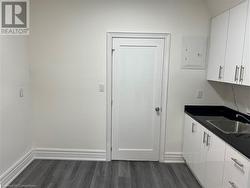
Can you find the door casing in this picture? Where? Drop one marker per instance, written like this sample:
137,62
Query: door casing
165,77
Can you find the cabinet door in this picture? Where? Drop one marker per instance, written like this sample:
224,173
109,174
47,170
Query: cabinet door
187,140
235,42
214,161
201,157
245,69
218,41
192,145
236,169
196,148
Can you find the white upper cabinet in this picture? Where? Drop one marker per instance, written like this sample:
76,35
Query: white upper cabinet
218,42
235,43
229,60
245,69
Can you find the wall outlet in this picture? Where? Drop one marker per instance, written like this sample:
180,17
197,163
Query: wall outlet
200,94
248,110
101,87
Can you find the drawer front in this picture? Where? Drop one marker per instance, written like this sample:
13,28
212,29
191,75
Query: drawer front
236,170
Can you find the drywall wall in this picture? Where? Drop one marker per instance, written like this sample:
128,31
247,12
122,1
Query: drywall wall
68,61
15,127
218,6
241,101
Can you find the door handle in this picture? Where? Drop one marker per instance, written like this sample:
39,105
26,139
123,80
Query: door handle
238,163
157,109
236,75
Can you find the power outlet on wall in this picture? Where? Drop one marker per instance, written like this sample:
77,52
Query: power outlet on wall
248,110
101,87
200,94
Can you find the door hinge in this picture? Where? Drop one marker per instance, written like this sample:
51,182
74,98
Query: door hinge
112,102
113,50
111,149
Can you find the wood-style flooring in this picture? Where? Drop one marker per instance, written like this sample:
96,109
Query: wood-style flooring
115,174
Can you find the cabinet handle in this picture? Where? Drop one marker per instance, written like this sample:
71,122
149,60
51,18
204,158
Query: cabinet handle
238,164
193,125
220,69
233,185
204,137
236,75
242,69
208,140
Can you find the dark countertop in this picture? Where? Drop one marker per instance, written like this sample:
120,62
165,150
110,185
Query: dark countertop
241,142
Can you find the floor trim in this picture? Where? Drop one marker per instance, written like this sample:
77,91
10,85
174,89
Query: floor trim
69,154
173,157
49,153
66,154
10,174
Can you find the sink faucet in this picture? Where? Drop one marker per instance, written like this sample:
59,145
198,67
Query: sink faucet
239,115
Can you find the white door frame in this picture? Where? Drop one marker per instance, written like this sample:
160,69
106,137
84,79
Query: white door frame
165,78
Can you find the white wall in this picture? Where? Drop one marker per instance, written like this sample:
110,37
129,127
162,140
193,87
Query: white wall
15,127
218,6
242,96
68,61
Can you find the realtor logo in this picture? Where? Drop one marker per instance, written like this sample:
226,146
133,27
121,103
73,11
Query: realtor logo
14,17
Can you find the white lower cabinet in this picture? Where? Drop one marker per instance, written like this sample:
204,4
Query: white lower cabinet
236,173
204,154
187,144
191,146
212,161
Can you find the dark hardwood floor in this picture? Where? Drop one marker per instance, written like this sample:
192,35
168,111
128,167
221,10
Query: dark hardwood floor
115,174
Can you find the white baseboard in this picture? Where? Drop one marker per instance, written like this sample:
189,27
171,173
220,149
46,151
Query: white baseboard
69,154
49,153
173,157
10,174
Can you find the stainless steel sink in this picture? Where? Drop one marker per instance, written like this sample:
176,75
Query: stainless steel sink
230,127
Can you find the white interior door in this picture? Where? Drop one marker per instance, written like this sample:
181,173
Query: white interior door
136,95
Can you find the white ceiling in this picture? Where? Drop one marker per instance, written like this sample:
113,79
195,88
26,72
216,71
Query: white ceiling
218,6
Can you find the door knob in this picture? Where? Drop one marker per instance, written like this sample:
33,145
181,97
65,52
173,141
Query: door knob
157,109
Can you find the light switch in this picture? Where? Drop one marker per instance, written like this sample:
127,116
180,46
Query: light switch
21,93
101,88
